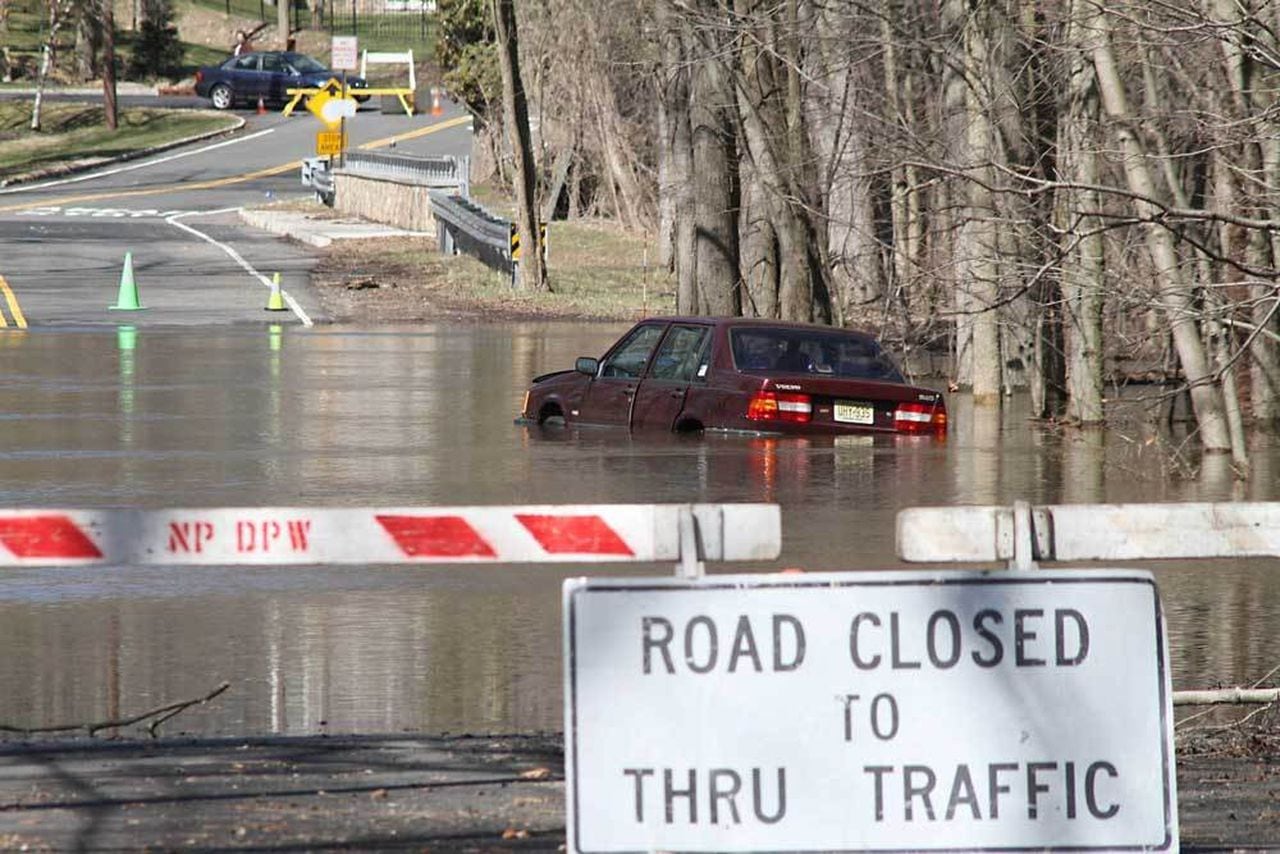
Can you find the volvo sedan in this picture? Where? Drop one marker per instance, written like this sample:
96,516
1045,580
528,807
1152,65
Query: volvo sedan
736,374
268,75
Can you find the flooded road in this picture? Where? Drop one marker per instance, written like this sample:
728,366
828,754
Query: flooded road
349,417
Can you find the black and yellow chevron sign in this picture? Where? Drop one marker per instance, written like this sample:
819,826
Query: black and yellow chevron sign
515,241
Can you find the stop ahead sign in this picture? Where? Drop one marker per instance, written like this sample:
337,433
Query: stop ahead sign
869,711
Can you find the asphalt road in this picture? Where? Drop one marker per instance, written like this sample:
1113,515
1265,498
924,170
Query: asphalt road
63,241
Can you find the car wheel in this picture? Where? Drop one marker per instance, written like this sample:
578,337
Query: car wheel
221,96
551,416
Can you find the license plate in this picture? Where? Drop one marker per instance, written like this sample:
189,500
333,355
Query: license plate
854,413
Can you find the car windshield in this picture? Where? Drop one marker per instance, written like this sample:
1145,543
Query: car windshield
832,353
304,64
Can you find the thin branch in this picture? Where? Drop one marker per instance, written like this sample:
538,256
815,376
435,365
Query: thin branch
163,713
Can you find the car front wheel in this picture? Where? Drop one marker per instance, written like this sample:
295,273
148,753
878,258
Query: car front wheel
221,96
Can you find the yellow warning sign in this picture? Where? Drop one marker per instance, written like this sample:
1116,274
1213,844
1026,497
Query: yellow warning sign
330,142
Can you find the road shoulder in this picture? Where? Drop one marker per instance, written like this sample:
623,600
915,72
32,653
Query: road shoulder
391,791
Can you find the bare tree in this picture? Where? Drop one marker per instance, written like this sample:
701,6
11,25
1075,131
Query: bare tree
1173,294
59,10
533,274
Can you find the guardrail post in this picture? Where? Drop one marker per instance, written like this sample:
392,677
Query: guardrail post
1023,533
691,552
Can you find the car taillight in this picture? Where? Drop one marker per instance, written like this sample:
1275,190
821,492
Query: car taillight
199,75
772,406
920,418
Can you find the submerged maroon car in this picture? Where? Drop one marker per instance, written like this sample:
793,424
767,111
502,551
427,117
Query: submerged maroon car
738,374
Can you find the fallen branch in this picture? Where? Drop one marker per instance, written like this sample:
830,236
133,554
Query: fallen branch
161,714
1226,695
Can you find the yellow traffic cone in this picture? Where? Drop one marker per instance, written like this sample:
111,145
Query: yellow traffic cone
275,302
127,298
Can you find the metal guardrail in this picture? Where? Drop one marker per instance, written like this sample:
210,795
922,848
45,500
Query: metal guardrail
316,175
444,171
466,227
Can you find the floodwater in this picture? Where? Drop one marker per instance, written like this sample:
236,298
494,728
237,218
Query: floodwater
334,416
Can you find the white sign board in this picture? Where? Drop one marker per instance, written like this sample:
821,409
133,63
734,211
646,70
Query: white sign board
869,711
344,56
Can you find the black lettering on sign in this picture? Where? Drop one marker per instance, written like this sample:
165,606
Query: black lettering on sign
980,621
1060,618
1022,636
701,637
895,646
723,788
922,789
884,716
952,634
858,661
995,788
711,644
656,633
963,793
1047,788
1091,794
782,662
744,645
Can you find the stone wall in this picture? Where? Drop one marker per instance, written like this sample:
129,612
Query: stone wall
403,205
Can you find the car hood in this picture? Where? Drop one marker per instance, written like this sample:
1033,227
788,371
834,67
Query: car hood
319,79
544,377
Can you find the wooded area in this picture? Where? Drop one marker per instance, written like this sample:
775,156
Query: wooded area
1058,194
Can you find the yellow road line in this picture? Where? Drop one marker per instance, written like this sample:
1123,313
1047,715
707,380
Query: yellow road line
413,134
156,191
14,308
220,182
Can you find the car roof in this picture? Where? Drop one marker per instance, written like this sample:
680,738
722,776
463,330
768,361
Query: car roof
760,322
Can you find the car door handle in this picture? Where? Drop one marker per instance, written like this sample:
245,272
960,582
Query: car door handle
678,394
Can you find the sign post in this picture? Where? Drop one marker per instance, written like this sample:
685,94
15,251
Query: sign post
869,712
343,54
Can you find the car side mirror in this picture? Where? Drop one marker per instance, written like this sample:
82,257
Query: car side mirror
587,365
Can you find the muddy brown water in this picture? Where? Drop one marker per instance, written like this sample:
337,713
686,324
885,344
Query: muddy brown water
424,416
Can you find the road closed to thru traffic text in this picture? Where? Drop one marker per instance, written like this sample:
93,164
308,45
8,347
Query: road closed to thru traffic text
897,711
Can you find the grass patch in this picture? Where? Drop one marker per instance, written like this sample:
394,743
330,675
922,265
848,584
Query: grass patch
75,132
597,270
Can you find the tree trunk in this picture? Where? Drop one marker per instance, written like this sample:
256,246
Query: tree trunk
57,14
533,276
676,149
283,8
714,166
109,64
1174,297
845,187
1082,265
759,247
978,235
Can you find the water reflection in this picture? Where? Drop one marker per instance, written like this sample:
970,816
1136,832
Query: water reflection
273,416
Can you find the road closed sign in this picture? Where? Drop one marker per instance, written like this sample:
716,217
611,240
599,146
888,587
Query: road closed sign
903,711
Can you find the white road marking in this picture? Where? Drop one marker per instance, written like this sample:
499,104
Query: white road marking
237,257
88,176
111,213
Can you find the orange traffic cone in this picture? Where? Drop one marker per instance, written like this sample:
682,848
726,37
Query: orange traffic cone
436,109
262,107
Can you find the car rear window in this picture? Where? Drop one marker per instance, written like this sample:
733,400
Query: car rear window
829,353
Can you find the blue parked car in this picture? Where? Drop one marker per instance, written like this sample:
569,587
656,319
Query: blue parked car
266,74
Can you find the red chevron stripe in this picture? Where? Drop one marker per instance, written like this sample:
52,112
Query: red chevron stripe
574,535
435,536
46,536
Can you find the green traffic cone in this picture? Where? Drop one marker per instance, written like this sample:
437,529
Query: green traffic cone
127,299
275,302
